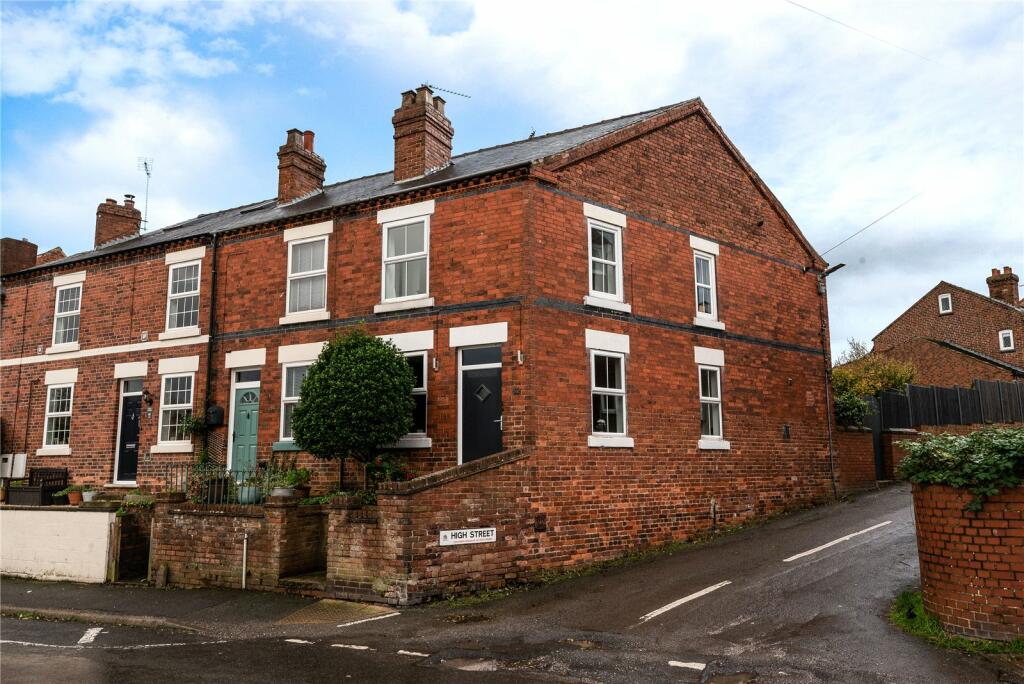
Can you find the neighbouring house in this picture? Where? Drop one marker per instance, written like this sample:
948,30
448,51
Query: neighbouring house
954,336
626,305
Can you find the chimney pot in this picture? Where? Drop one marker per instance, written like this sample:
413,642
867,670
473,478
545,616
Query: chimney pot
1007,269
307,141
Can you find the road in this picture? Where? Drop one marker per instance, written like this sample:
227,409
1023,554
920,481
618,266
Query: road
803,598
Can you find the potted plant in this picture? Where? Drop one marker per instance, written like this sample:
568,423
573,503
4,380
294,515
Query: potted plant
73,493
298,479
250,491
88,493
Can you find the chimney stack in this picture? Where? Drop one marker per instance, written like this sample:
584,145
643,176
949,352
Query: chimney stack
16,255
114,221
1004,286
423,134
300,169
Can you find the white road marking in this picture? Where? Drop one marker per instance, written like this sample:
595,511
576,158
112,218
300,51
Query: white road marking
90,635
685,599
298,641
359,622
108,648
816,549
690,666
354,647
415,654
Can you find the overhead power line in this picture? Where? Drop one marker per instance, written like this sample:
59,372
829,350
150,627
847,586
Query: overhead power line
854,28
891,211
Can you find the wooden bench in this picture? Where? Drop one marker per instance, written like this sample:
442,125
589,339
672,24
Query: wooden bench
38,488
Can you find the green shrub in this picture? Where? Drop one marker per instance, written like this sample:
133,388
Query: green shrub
984,463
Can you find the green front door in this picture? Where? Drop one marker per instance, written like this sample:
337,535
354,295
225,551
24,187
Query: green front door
243,443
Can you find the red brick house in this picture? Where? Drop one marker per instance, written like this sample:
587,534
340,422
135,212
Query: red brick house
954,336
625,302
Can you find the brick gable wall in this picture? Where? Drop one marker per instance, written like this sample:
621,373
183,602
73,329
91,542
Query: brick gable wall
939,365
974,323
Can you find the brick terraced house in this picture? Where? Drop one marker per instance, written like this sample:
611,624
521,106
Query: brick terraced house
625,306
954,336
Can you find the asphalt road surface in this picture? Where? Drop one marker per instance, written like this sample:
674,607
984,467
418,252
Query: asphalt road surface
801,599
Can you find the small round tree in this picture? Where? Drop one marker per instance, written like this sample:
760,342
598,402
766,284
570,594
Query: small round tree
356,399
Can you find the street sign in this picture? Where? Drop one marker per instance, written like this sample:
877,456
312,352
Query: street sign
480,535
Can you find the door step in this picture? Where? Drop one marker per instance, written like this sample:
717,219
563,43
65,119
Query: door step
312,584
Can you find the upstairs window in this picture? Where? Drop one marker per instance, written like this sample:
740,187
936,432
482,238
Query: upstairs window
290,393
1005,340
605,260
945,303
704,277
66,314
307,275
183,296
710,402
175,407
418,363
608,392
58,415
406,259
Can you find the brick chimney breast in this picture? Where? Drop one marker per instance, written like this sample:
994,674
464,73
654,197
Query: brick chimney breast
16,255
115,221
1004,286
300,170
423,134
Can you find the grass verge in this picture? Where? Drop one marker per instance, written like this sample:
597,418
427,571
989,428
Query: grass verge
908,614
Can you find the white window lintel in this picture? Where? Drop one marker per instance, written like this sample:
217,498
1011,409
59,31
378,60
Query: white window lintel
705,356
310,231
69,278
245,358
407,211
607,341
194,254
131,369
608,216
180,364
65,376
420,340
702,245
470,335
297,353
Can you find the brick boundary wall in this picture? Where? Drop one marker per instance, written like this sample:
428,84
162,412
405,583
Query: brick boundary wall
972,564
202,545
855,465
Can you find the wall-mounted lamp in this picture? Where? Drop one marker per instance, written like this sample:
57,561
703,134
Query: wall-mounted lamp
144,336
434,364
147,397
519,356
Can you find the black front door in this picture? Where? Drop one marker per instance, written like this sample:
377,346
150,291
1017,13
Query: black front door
128,448
481,407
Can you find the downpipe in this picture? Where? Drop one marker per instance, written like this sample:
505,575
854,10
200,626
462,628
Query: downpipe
827,372
245,558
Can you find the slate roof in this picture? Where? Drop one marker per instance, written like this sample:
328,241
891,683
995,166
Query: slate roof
467,165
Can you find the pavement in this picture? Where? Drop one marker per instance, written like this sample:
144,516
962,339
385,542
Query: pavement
803,598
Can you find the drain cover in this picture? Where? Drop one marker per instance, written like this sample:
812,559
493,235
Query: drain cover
330,610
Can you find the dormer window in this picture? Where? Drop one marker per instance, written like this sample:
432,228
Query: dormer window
945,303
1006,340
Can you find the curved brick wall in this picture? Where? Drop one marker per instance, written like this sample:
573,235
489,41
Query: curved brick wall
972,564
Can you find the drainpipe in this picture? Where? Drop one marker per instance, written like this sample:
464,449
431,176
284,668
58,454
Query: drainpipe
245,557
827,373
211,333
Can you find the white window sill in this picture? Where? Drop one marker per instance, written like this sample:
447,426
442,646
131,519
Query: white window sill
1007,349
304,317
713,443
413,442
171,448
612,441
54,451
66,347
178,333
601,302
421,303
121,485
708,323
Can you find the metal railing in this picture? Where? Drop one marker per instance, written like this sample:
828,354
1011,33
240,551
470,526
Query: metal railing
213,483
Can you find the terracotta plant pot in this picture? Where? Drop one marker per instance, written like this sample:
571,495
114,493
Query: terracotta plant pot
74,498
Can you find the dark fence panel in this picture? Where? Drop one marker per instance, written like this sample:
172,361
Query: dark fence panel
988,401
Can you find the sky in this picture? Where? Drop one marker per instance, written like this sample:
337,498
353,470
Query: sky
847,110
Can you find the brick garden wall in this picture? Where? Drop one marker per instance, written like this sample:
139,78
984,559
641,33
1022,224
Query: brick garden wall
855,465
202,545
972,564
